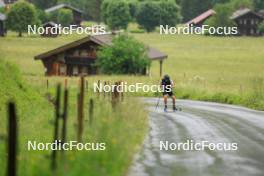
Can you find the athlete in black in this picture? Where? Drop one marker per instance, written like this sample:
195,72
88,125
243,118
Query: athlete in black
167,86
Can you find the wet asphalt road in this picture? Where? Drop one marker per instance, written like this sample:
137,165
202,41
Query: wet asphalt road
202,121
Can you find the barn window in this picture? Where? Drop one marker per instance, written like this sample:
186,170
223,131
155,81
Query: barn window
75,70
63,69
252,21
245,21
252,32
84,70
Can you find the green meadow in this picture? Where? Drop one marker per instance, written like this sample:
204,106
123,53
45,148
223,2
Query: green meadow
222,69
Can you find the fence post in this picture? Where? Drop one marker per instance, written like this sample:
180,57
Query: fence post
12,139
47,82
86,85
56,127
65,116
98,83
115,95
80,113
91,111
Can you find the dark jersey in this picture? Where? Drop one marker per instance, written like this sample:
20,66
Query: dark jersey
166,85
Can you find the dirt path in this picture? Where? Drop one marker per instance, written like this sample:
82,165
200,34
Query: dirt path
200,121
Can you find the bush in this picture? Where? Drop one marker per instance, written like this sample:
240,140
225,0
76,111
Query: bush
42,16
65,17
116,14
125,56
20,16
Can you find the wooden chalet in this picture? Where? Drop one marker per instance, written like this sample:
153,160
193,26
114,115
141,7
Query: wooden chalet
199,20
78,57
48,32
77,14
2,25
9,1
247,21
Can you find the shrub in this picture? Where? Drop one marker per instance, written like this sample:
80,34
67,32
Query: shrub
125,56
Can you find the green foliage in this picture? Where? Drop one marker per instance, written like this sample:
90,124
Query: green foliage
116,14
261,27
151,14
192,8
258,4
169,13
42,16
20,16
133,8
65,17
236,4
222,18
148,15
43,4
125,56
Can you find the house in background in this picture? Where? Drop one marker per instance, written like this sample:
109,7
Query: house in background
247,21
2,25
48,31
199,20
77,14
78,57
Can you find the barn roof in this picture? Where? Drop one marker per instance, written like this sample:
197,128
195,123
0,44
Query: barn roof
241,12
102,40
50,23
2,17
60,6
202,17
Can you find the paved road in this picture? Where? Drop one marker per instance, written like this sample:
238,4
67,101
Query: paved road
202,121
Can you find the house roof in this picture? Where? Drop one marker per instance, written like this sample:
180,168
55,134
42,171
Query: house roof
60,6
2,17
241,12
261,12
102,40
202,17
50,23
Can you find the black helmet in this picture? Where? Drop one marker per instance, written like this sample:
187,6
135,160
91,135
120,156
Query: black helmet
166,77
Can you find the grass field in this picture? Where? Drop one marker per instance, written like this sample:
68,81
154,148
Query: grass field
222,69
121,129
228,70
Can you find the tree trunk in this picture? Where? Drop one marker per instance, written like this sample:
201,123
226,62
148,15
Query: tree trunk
19,34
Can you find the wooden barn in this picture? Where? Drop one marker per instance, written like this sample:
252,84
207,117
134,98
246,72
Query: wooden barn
2,25
199,20
77,14
78,57
48,29
247,21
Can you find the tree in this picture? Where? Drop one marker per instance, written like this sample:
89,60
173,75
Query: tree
65,17
133,7
94,11
192,8
261,27
258,4
222,17
44,4
21,15
125,56
116,14
169,13
148,15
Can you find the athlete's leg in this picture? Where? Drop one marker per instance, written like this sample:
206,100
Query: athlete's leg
165,98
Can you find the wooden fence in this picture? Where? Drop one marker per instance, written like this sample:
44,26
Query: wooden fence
61,116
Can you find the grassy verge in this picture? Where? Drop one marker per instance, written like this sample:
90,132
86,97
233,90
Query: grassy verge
121,129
